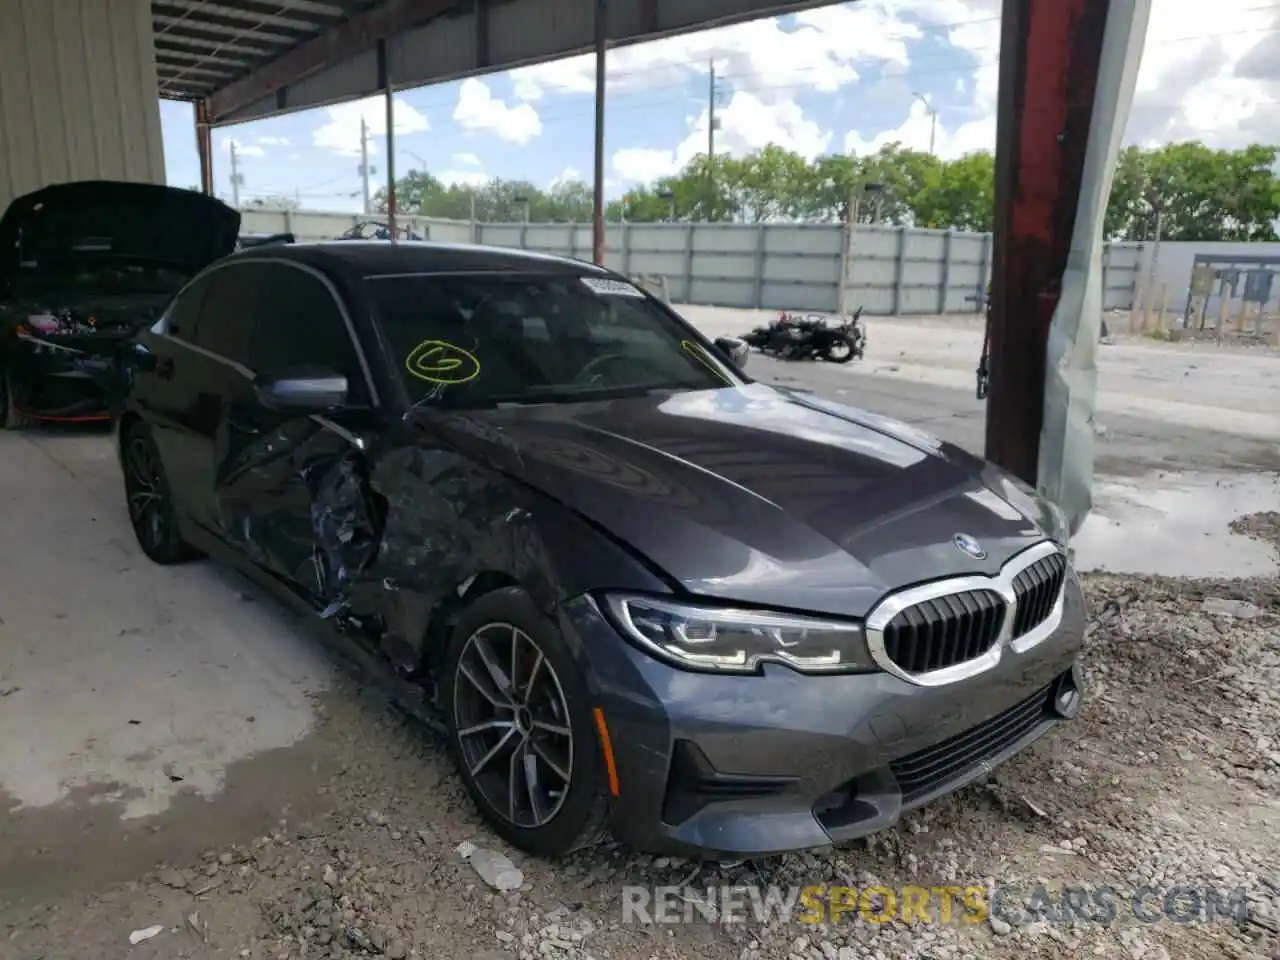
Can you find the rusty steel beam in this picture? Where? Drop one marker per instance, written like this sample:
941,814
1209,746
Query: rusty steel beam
362,32
1050,51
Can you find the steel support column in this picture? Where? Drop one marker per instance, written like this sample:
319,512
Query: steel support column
597,202
388,93
204,147
1050,52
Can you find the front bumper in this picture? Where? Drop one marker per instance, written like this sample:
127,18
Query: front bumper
65,384
729,767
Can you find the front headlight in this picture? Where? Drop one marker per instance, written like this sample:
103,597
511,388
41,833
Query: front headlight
739,641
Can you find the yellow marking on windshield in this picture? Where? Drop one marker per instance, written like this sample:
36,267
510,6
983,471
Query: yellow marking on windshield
696,351
441,362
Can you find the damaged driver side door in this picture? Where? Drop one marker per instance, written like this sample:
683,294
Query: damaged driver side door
290,483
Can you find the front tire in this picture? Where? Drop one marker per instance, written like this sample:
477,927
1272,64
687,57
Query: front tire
839,349
521,728
150,503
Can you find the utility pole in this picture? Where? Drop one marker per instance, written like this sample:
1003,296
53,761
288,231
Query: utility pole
711,114
236,179
1149,293
713,124
933,120
364,162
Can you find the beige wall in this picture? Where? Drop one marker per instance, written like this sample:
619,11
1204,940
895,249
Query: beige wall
78,94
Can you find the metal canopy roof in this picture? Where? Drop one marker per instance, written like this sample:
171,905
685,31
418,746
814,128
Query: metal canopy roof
202,45
249,59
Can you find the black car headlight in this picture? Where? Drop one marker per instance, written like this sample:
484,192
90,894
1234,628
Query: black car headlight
723,640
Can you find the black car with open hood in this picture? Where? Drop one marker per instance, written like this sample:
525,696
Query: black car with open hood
83,267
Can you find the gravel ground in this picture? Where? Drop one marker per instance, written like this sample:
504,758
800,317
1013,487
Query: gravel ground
1169,778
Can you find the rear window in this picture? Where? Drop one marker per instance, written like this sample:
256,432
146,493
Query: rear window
484,339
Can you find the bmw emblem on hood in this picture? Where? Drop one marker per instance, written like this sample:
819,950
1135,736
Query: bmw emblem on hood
968,545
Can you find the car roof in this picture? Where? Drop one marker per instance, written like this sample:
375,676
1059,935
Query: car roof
368,258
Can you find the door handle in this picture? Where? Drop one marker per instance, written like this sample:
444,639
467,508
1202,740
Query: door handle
164,368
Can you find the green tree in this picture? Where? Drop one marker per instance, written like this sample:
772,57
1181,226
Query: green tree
1204,194
959,195
903,174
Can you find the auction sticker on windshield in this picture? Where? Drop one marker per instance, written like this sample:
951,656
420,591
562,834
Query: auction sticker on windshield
440,362
611,288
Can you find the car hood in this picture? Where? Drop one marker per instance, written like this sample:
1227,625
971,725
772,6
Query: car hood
758,495
71,225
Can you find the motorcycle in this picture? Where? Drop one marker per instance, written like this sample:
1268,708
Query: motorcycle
797,337
378,230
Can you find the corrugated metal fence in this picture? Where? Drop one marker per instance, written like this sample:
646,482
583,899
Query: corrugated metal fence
892,270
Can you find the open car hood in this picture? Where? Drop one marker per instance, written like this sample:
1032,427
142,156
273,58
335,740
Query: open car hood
103,221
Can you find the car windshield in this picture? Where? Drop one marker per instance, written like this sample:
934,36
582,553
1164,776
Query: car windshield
478,340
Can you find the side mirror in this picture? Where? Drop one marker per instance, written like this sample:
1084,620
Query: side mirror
735,349
301,390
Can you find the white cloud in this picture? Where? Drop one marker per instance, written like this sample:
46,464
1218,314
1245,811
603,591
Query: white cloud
1194,82
914,134
469,178
747,124
274,141
567,175
468,158
478,109
1197,79
1209,72
642,165
823,52
341,131
242,149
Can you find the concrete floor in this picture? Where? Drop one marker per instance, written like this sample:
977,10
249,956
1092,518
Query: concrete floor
130,693
125,688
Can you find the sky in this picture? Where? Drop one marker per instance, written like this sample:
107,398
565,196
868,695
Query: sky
849,77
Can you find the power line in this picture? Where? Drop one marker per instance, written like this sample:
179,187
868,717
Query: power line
575,111
868,60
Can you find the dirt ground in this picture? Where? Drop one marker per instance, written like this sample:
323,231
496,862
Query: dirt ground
1170,778
177,756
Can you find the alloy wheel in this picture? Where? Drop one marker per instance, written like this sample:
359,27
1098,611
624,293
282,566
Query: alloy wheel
513,727
145,491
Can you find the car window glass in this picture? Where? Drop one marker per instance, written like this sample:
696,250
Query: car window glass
298,323
184,312
480,339
226,318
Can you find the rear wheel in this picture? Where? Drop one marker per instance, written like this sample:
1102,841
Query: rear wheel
521,727
151,511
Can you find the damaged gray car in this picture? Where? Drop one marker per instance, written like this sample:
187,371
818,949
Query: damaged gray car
639,591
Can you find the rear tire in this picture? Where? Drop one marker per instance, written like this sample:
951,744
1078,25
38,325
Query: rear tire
149,501
521,727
